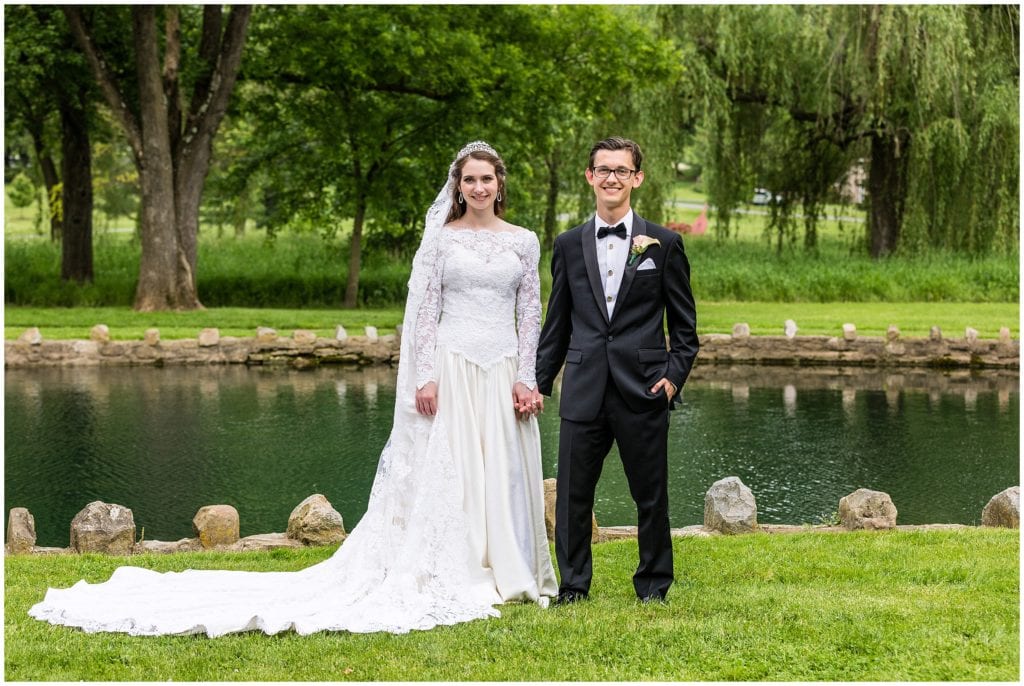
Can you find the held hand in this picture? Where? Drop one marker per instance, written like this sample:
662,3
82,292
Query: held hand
426,399
525,401
670,389
538,400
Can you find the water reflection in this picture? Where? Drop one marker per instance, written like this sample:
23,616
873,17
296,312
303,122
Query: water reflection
165,442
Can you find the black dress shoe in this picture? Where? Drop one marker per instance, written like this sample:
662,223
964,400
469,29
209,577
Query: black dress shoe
570,597
653,599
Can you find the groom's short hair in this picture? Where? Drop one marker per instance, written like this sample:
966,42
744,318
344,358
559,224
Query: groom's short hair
618,143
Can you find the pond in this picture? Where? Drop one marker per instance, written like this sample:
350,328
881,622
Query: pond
165,442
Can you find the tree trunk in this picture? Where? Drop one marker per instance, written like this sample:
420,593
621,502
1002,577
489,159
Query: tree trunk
551,204
50,180
221,52
188,195
887,190
76,168
240,211
165,279
352,287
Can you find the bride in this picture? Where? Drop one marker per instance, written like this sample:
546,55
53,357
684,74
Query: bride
455,521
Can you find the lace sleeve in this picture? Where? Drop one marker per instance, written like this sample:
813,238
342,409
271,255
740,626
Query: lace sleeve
528,312
426,327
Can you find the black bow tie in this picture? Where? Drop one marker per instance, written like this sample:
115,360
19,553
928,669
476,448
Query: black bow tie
619,230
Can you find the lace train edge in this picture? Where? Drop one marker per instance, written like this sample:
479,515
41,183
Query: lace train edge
132,627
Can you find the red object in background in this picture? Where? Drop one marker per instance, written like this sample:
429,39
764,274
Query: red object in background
697,228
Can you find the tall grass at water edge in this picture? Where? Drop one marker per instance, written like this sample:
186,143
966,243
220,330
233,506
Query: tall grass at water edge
292,271
747,271
297,270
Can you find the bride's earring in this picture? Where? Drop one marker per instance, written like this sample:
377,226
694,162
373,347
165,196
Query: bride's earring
498,199
461,199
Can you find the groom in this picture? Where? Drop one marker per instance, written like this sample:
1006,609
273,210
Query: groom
615,281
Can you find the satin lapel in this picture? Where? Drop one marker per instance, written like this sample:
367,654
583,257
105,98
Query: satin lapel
589,241
639,229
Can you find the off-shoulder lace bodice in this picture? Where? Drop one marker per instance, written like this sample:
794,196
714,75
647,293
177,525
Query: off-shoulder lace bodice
483,301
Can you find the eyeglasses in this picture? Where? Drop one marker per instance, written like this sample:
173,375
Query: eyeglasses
621,173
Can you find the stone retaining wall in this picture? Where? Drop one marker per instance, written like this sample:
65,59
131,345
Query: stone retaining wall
891,350
304,349
298,351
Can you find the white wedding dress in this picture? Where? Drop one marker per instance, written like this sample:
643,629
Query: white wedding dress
455,520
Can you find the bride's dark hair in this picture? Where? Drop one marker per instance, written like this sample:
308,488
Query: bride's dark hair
458,209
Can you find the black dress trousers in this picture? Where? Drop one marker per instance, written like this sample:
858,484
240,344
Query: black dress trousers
642,439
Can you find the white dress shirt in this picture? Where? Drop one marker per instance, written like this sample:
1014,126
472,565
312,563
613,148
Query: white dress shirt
611,258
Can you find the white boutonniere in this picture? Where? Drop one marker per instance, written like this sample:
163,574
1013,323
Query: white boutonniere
639,247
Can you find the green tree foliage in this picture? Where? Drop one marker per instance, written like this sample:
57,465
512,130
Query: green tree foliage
795,96
574,75
352,108
22,191
353,112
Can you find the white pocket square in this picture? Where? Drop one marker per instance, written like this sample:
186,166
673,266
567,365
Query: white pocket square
646,264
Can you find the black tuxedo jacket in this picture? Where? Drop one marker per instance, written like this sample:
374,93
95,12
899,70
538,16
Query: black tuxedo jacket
631,346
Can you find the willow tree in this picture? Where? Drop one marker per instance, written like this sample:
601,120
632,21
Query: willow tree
171,137
925,96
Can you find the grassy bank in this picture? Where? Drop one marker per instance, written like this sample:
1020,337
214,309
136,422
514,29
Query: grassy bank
929,605
765,318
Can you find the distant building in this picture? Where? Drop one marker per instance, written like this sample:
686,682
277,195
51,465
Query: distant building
851,186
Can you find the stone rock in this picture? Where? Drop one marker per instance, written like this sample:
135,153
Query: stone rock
152,336
265,542
100,333
893,344
304,336
741,330
849,332
550,496
266,335
789,328
303,363
371,333
971,334
1003,510
21,531
340,334
103,528
185,545
32,336
209,338
1004,336
315,522
398,333
729,507
216,525
867,509
935,334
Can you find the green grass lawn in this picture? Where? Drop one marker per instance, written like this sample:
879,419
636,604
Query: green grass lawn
896,606
765,318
